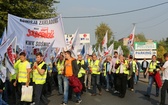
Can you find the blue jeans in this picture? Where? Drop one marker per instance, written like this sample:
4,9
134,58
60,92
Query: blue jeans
60,83
136,78
96,82
78,96
2,102
66,89
107,81
151,80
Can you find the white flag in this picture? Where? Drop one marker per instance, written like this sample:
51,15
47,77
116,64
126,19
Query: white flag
131,37
90,50
47,53
3,49
3,73
104,42
11,55
111,49
119,50
4,36
74,41
99,51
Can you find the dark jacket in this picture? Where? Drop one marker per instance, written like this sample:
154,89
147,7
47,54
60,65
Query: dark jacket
1,85
84,66
75,67
146,65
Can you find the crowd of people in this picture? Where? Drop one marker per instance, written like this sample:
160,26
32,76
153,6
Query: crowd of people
76,76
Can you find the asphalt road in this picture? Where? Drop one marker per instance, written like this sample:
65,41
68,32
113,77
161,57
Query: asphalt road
132,98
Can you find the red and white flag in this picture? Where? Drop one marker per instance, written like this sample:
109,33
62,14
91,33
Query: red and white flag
11,55
104,42
131,37
111,49
47,53
74,40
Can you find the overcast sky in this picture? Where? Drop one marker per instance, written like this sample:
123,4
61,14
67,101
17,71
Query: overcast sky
152,22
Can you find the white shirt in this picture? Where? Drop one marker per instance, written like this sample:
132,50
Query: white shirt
145,64
114,60
165,72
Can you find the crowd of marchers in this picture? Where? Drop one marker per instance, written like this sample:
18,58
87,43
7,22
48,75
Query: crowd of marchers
77,75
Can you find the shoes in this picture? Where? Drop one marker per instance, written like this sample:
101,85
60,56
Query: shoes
146,95
89,88
63,103
115,92
59,94
93,94
100,93
157,95
132,90
78,101
107,90
33,103
121,96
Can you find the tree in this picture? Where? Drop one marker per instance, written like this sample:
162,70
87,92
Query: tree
160,51
100,33
33,9
140,38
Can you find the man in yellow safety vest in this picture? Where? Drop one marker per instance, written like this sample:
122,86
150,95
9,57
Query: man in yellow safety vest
39,76
23,74
94,67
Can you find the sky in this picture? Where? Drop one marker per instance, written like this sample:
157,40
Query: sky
153,22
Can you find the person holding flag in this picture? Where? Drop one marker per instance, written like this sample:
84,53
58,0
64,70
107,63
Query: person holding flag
23,74
39,77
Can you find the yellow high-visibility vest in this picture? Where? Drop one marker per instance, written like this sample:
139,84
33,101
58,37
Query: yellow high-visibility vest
81,71
125,70
60,66
134,66
16,67
104,67
95,67
37,78
22,72
152,66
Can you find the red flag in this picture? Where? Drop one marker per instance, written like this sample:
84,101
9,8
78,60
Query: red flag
131,37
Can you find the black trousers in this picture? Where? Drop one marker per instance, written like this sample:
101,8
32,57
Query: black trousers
82,79
55,74
14,92
131,81
38,93
122,84
115,81
163,92
144,70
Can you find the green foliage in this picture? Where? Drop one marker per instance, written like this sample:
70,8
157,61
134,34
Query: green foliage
140,37
33,9
160,52
164,43
100,33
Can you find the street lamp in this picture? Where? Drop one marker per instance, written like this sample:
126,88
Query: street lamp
56,1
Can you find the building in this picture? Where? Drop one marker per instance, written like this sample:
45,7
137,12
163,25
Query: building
124,41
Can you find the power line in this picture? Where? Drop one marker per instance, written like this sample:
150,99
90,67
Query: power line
117,13
154,24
